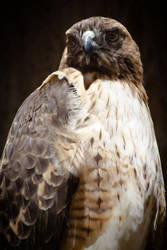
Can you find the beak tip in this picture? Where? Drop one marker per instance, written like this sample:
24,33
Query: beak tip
88,47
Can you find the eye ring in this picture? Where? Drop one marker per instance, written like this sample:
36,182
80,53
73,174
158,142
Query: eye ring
71,42
112,35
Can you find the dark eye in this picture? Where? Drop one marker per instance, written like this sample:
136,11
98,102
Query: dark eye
112,35
71,42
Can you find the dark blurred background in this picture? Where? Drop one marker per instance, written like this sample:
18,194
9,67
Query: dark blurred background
32,41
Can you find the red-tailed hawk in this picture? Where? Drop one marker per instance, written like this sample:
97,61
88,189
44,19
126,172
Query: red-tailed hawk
81,167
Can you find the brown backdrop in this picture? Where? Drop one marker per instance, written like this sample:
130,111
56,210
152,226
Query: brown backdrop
32,40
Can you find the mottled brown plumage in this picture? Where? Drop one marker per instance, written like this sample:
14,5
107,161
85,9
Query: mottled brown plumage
81,168
35,194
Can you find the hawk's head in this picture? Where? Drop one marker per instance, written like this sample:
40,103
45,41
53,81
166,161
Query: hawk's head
102,46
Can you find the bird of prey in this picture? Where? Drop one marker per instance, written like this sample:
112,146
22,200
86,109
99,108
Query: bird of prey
81,169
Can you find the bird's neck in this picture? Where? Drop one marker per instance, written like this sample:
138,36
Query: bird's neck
90,77
109,100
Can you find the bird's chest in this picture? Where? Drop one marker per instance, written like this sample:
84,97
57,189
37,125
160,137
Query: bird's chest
102,213
102,216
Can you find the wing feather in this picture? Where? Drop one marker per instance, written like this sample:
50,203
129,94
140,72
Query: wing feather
35,191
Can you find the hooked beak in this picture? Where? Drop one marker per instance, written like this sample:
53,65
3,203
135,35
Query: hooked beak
89,44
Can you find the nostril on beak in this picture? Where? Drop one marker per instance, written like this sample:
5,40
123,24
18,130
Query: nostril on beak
89,45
